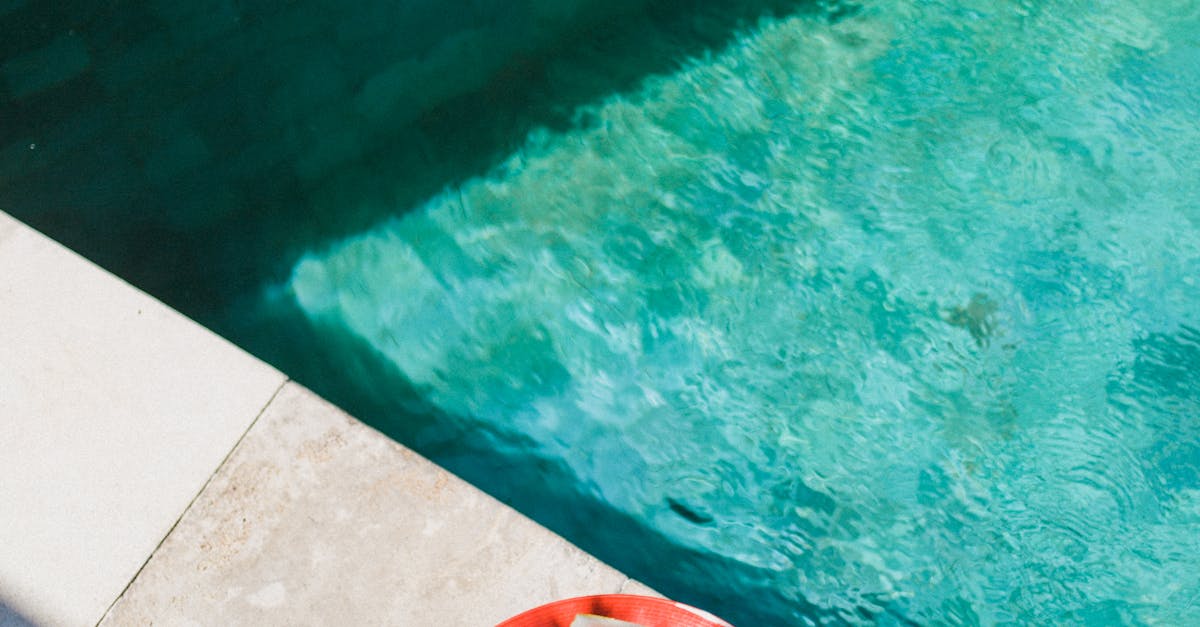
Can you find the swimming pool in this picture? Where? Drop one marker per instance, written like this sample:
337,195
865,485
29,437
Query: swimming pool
888,316
835,312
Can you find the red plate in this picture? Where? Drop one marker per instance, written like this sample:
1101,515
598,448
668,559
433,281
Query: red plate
648,611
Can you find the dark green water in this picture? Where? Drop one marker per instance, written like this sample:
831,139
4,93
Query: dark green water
881,313
198,148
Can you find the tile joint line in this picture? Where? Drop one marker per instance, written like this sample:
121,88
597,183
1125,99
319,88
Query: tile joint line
196,496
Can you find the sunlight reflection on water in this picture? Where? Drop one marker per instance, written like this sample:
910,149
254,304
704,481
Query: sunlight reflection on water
900,309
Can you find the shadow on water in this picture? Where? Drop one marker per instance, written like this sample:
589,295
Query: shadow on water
200,164
197,154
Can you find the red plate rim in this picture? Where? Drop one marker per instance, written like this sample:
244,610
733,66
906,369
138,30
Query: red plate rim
648,611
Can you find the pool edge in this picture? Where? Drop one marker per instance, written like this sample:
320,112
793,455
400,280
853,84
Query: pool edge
493,563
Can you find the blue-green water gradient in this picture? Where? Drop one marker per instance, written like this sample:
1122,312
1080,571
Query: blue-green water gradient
899,310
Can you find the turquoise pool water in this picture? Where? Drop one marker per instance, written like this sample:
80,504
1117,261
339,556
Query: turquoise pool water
893,315
801,311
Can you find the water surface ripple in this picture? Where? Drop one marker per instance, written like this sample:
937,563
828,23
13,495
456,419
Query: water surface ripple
898,310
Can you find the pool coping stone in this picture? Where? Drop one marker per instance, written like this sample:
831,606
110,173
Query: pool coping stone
154,471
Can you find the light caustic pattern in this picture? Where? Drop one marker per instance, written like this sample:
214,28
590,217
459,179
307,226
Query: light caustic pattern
899,309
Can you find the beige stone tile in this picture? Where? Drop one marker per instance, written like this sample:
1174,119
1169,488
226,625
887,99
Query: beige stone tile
8,226
114,411
317,519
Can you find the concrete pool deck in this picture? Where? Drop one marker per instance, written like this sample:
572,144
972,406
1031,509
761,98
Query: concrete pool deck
153,472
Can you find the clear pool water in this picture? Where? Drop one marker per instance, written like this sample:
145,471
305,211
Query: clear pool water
892,313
